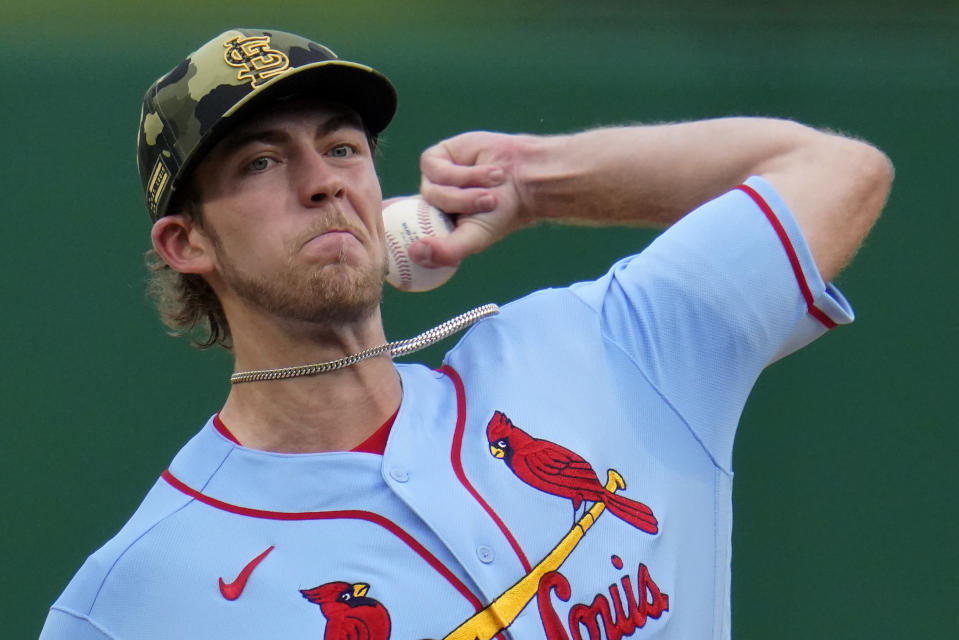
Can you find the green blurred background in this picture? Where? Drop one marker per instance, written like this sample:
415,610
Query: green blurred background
846,516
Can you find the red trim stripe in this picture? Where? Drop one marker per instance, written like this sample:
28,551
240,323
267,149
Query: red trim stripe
376,443
811,307
349,514
457,462
226,433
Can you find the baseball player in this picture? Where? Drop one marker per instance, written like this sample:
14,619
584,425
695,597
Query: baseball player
565,474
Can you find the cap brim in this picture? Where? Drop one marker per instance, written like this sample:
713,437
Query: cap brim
356,86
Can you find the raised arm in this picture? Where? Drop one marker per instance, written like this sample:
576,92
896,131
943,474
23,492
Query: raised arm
653,175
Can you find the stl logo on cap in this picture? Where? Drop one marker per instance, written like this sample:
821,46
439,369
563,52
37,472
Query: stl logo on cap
257,62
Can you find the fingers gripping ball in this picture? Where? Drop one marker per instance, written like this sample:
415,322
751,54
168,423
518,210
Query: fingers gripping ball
406,221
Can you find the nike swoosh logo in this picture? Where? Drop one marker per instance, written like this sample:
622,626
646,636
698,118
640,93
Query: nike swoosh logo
232,590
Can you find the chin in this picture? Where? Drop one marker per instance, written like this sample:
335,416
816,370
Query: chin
343,304
345,291
333,294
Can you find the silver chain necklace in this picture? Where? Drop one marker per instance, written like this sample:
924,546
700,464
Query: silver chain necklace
395,349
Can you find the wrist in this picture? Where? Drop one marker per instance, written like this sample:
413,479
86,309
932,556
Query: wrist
539,176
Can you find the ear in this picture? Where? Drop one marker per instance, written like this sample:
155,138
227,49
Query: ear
183,245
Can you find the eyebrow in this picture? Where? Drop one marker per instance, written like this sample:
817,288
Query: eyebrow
270,135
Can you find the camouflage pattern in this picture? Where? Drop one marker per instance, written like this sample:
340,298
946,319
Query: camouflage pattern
187,110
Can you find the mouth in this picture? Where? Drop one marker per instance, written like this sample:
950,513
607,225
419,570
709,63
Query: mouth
329,234
331,231
331,237
333,227
333,245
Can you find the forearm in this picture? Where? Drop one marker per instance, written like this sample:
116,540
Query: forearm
653,175
645,174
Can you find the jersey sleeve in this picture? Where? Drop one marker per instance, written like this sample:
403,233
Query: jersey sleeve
724,292
64,625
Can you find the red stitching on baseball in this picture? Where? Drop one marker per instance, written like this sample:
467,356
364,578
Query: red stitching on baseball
403,266
424,218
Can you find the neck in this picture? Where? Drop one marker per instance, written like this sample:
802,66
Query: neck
331,411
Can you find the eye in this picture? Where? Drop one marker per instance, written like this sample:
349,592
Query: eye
345,596
260,164
342,151
502,444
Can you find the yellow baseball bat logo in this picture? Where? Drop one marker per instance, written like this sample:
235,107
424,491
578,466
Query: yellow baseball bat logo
504,609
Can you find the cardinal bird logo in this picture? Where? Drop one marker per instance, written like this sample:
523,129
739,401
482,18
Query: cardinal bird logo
350,615
549,467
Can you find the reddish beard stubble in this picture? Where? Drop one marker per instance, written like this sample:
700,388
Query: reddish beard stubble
334,293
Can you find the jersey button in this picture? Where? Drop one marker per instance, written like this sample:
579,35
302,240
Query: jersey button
485,554
400,475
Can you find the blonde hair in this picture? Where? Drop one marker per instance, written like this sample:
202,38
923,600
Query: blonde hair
186,302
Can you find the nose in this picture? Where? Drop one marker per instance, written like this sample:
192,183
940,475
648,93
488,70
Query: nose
318,182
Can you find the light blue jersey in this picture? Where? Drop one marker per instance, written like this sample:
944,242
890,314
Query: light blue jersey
565,474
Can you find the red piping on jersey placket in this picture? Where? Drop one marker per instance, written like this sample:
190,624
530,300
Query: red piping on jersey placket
349,514
813,310
456,461
221,428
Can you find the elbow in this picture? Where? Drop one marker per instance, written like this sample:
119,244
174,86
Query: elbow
855,180
881,174
884,171
868,181
874,175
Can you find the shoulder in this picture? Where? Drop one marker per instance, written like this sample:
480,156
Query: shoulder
80,596
538,317
137,542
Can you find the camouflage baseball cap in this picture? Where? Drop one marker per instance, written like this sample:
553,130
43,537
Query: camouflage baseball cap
186,111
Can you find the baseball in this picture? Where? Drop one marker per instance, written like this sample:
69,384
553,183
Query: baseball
406,221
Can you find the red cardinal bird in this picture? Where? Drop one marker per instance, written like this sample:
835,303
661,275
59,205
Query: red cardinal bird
350,615
551,468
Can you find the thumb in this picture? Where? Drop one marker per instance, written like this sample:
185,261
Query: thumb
449,251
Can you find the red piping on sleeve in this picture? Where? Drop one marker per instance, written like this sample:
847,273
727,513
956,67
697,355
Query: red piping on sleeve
456,460
349,514
811,307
